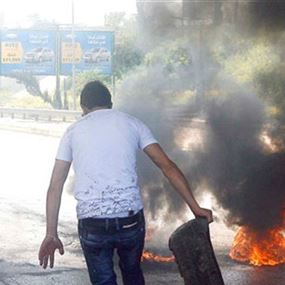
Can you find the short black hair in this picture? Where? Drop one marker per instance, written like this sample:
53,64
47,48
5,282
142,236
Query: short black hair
95,94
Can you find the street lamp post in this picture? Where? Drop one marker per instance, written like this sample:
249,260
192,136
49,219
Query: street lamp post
73,58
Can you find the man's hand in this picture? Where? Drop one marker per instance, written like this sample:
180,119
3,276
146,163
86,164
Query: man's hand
206,213
47,249
51,242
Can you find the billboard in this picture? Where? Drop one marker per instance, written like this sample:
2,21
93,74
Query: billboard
93,51
28,51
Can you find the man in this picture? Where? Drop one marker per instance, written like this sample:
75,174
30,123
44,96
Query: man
102,146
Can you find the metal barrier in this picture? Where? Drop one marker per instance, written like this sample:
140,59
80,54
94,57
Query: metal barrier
40,114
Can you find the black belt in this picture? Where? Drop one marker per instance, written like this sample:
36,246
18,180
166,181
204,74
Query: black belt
113,222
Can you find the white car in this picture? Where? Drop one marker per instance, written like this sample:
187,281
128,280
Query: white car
96,55
39,55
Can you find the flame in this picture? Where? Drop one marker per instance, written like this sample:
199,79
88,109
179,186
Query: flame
149,256
259,249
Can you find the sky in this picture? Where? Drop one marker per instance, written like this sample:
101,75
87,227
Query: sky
17,13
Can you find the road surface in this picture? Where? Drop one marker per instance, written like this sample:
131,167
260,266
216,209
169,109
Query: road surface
26,161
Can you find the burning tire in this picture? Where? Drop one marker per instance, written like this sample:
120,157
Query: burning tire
194,254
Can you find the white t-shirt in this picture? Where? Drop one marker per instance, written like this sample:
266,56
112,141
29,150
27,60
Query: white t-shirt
102,146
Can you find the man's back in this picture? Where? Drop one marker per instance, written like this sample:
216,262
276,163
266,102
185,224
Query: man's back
102,146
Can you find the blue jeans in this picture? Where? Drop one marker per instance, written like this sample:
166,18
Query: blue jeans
99,242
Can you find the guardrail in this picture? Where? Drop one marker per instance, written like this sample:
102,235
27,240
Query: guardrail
40,114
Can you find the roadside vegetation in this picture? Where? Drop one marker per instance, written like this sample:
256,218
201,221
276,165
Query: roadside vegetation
251,56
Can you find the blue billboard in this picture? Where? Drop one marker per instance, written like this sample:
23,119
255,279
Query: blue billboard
93,51
31,51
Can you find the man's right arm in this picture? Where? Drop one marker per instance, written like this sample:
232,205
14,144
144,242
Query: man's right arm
51,241
59,175
177,179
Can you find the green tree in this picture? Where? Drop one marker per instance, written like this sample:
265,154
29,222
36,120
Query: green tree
127,54
171,55
32,86
271,87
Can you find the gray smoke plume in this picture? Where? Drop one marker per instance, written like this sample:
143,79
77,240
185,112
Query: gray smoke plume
145,94
268,14
246,180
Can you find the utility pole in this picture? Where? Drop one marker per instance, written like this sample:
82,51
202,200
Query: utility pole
193,24
73,58
194,17
1,26
200,69
58,101
113,67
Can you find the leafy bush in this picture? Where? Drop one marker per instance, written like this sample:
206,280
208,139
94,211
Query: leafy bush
246,63
171,55
27,101
271,87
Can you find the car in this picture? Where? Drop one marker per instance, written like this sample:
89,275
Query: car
38,55
96,55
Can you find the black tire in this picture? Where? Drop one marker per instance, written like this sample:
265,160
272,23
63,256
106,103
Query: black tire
194,254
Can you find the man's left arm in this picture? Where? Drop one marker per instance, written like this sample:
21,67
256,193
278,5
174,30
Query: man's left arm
177,179
51,241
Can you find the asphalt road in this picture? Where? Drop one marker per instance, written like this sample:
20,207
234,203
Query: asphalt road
25,164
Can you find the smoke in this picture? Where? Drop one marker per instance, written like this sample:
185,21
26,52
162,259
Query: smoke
146,95
158,20
269,14
246,180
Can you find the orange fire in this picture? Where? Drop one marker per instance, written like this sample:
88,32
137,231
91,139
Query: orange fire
259,249
149,256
